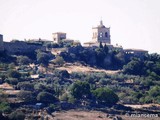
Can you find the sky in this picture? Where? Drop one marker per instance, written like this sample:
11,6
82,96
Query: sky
134,23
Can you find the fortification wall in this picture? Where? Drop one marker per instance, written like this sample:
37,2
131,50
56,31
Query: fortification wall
1,43
21,47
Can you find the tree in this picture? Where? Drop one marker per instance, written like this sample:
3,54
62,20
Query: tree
61,73
59,60
45,97
43,58
17,115
100,55
4,107
26,86
100,45
80,90
134,67
14,74
12,81
105,96
106,49
23,60
25,96
154,91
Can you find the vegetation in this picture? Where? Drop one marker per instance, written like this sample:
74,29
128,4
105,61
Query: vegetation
80,90
137,81
105,96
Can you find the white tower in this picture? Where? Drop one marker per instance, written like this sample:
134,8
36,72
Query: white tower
101,34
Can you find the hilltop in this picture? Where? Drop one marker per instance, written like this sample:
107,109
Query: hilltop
77,77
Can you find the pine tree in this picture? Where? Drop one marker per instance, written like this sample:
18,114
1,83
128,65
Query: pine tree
100,45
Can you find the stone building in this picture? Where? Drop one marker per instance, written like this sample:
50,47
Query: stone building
58,36
135,52
1,43
101,34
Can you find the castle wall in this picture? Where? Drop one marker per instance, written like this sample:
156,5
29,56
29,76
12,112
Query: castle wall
1,43
21,47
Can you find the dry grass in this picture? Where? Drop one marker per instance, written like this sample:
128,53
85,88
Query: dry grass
93,115
80,115
86,69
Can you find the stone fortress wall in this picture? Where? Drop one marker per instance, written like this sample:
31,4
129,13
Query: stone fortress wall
1,43
21,47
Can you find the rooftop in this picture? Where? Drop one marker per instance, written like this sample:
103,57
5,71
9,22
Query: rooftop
133,49
59,33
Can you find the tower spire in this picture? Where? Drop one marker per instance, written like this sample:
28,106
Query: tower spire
101,22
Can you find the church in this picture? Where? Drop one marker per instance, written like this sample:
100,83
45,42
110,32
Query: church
100,34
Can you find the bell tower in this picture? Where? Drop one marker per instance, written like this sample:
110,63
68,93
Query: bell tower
101,34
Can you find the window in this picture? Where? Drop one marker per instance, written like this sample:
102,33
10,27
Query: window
101,34
106,34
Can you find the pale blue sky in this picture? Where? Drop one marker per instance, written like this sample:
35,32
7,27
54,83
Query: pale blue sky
134,23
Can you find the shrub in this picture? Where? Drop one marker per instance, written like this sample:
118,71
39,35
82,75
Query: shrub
105,96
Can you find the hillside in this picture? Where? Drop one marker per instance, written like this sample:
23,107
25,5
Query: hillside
58,82
77,67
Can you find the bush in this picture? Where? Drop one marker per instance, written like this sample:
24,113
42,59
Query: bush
105,96
23,60
4,107
14,74
46,97
80,90
26,96
17,115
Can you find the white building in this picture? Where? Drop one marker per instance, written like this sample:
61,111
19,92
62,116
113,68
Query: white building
58,36
101,34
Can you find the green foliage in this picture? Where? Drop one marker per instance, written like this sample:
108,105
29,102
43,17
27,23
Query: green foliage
61,73
17,115
26,96
100,55
72,99
59,60
14,74
25,86
52,107
23,60
149,66
43,58
12,81
45,97
3,96
134,67
106,49
154,91
100,45
4,107
80,90
105,96
104,81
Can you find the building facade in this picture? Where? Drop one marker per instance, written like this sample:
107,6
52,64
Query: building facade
101,34
1,43
58,36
